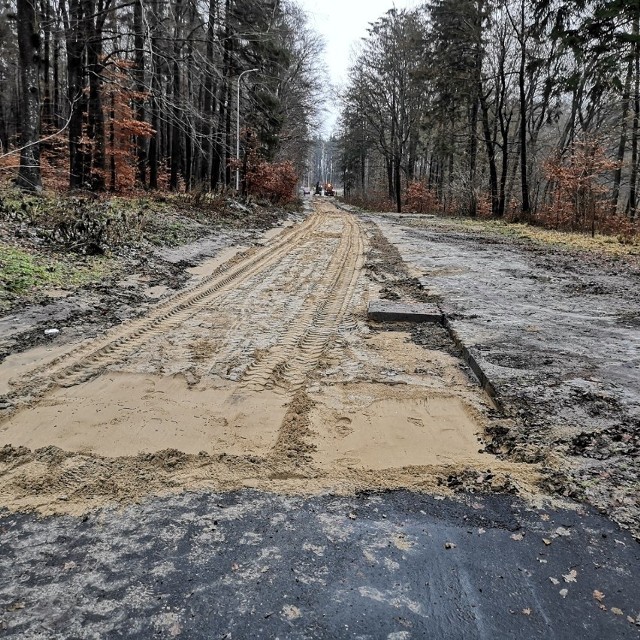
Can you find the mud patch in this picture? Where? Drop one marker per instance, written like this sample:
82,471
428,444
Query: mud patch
553,330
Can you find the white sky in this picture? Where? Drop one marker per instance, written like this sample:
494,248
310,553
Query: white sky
342,23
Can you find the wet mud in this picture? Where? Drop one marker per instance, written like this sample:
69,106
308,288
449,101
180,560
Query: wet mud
555,332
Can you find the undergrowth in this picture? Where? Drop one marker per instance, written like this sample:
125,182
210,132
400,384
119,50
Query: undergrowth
23,272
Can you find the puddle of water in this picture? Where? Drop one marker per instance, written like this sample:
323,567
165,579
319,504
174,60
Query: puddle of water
56,294
126,414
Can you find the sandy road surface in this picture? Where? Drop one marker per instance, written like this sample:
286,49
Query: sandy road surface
264,373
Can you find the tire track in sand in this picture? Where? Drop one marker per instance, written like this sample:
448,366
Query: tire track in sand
93,357
288,363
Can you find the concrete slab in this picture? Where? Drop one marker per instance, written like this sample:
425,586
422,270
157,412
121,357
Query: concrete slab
390,310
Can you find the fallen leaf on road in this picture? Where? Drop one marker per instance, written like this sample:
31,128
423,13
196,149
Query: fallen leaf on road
617,611
352,516
517,536
564,592
481,531
544,517
450,545
526,612
291,613
571,576
598,595
546,541
554,581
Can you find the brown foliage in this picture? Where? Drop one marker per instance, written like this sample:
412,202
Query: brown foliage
421,199
123,128
374,201
578,201
273,181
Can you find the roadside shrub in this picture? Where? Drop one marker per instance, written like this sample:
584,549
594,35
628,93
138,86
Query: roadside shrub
374,201
483,206
86,225
578,192
421,199
274,181
625,230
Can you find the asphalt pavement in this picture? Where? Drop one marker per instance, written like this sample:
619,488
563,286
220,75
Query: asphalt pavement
395,565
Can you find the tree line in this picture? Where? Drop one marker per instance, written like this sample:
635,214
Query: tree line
123,94
520,108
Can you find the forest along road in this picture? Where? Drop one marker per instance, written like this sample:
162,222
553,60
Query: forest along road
265,375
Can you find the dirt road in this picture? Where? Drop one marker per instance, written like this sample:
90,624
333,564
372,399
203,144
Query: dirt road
264,373
219,466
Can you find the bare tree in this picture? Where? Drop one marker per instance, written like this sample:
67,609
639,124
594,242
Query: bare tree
29,43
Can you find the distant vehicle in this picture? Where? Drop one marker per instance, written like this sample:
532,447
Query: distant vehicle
325,189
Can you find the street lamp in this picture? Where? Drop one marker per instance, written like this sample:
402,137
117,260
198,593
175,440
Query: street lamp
238,126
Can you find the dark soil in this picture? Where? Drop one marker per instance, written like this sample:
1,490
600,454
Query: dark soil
556,332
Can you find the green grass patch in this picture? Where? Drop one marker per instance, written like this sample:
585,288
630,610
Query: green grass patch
23,273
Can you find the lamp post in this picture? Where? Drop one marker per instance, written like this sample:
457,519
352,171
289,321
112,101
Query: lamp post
238,126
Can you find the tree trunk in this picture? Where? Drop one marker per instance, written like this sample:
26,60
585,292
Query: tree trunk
633,180
47,107
491,156
112,143
75,34
526,205
228,137
622,146
504,169
218,171
29,45
96,122
398,183
473,158
138,43
155,98
176,140
57,106
209,89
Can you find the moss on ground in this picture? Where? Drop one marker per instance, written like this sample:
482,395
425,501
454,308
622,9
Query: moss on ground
23,272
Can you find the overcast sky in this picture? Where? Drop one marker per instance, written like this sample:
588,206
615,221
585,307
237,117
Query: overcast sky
342,23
